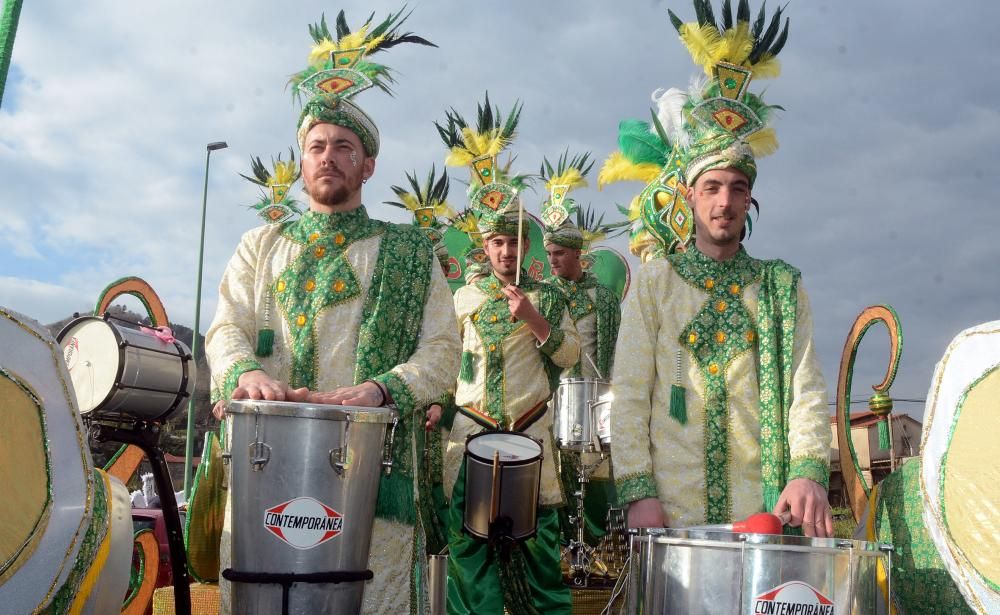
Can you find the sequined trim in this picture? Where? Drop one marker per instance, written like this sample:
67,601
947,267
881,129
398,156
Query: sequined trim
813,468
632,487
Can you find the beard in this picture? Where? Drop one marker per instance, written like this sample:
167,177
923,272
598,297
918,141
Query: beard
336,192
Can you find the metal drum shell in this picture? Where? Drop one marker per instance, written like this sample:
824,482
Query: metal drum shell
577,405
302,439
520,485
152,377
674,571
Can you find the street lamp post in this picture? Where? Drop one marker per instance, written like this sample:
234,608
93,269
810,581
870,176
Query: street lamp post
189,442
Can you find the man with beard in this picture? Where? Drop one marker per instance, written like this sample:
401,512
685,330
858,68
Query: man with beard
720,411
338,308
516,341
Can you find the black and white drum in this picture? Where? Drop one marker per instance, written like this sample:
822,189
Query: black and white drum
676,571
118,371
503,472
579,405
304,486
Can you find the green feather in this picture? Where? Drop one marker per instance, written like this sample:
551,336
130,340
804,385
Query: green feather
675,20
727,14
743,11
758,24
779,43
638,144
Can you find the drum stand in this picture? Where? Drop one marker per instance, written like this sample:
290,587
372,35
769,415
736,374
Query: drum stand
582,557
147,437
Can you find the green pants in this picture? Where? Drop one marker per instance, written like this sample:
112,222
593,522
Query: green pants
475,584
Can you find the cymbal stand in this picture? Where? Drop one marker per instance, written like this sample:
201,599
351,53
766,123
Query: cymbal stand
582,557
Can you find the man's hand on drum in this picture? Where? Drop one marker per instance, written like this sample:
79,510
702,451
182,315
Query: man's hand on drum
367,394
522,309
433,416
256,384
647,512
807,506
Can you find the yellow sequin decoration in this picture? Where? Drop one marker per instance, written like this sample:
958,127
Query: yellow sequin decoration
734,289
751,337
310,286
319,251
338,286
709,283
301,320
281,286
720,336
313,237
692,338
338,238
721,306
713,369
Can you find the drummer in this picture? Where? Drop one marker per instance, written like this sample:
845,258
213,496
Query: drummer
516,341
596,314
720,411
359,312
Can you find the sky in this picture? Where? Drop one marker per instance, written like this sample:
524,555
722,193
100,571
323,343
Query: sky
883,190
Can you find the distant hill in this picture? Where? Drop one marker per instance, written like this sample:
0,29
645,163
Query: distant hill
175,429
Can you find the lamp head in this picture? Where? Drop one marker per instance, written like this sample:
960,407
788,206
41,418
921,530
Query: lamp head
217,145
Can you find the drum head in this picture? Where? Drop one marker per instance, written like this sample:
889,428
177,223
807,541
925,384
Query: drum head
90,348
511,446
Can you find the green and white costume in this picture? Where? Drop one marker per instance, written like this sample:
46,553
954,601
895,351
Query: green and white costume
347,299
722,401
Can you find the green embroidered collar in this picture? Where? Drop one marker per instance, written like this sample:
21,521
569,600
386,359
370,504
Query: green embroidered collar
350,225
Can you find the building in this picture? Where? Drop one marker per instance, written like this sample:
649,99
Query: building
874,461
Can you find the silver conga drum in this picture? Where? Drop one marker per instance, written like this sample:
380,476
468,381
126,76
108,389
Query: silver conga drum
503,473
578,404
304,487
118,371
695,571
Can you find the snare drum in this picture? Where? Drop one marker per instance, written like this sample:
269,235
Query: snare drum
579,403
304,486
119,371
697,571
503,472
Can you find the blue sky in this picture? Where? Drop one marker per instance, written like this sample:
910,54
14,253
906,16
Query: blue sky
882,190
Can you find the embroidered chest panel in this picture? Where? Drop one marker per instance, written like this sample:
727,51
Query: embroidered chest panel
319,278
722,330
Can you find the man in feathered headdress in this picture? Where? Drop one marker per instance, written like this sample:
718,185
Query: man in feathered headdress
596,314
517,336
721,339
346,309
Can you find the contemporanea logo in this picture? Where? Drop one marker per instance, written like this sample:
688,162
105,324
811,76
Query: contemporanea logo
792,598
303,522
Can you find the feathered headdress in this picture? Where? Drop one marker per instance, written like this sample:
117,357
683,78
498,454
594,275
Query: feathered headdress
593,228
718,121
275,204
338,70
567,174
429,205
493,190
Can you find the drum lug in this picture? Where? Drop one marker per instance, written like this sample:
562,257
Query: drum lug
338,460
260,453
387,451
226,458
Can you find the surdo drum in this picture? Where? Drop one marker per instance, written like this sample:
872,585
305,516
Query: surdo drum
304,481
580,405
503,472
698,571
121,372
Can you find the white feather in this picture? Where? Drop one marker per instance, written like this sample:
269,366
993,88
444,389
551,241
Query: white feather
670,111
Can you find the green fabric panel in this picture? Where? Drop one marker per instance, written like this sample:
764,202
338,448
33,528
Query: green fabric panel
635,487
8,28
526,579
920,582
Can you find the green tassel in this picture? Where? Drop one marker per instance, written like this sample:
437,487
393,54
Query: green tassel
884,442
265,342
465,373
771,495
678,404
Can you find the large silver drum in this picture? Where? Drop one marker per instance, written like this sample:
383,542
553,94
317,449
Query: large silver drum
693,571
503,472
117,371
304,486
579,403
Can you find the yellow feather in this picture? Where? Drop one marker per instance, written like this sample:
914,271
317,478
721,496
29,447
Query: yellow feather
634,208
763,143
444,210
735,45
769,67
701,43
458,157
284,173
410,201
617,168
590,237
354,39
572,178
321,52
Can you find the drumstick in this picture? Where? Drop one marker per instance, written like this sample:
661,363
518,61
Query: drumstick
594,365
520,227
495,495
